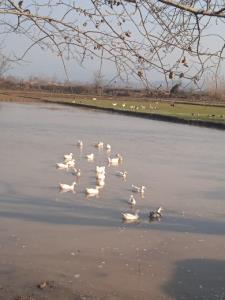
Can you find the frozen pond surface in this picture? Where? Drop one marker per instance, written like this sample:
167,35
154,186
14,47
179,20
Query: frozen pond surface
81,242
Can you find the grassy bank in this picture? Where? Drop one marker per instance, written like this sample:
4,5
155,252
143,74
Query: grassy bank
166,109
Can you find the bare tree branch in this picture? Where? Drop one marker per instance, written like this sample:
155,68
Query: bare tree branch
179,39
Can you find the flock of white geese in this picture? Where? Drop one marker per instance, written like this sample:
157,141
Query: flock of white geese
69,163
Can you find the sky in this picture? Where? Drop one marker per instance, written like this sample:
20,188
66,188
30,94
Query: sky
44,64
47,65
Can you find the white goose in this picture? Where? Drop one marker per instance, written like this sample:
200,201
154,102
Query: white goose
68,157
92,191
130,217
132,200
62,166
122,174
138,189
66,187
90,156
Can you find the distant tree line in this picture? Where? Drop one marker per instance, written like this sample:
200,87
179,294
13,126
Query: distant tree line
44,85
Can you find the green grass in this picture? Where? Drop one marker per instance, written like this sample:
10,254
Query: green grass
182,111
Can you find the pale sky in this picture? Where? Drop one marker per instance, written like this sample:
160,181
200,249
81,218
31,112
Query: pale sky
44,64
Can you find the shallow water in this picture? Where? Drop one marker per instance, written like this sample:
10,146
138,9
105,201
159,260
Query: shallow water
181,166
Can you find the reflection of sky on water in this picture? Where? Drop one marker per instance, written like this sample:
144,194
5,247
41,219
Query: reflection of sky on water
197,279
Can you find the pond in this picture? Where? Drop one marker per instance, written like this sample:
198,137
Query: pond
80,242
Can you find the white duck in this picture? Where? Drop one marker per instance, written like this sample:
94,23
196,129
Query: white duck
100,170
100,182
68,157
132,200
130,217
62,166
92,191
122,174
113,161
100,176
120,157
80,143
99,145
138,189
108,147
66,187
90,156
71,163
76,172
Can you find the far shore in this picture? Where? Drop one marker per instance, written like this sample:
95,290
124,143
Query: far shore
177,110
